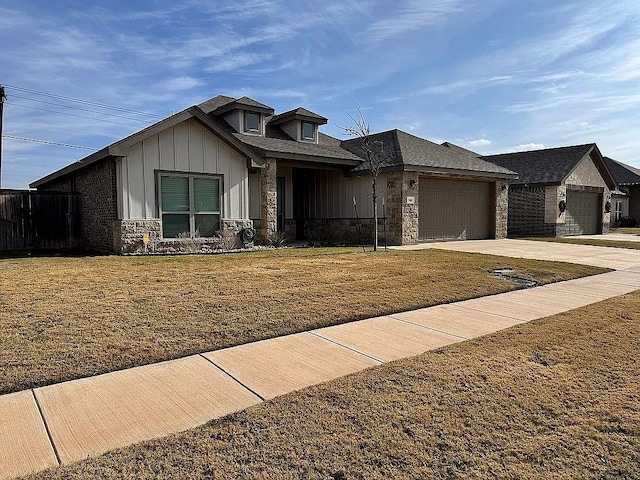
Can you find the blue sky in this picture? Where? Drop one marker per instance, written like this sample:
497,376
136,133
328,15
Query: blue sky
491,75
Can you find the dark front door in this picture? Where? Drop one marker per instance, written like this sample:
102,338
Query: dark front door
302,179
280,203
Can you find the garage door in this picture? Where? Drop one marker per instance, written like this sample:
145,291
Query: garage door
583,213
453,209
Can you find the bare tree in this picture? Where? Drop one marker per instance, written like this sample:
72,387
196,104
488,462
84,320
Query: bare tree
372,152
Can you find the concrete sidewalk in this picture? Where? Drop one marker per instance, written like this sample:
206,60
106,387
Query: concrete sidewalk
70,421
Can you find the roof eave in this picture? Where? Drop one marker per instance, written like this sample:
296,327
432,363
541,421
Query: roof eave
460,172
310,158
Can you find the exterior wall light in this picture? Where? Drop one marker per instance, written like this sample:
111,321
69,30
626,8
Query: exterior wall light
562,206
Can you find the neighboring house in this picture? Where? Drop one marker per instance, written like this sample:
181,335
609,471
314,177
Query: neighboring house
625,201
202,178
559,191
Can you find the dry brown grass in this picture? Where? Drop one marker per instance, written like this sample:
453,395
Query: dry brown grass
589,241
64,318
629,230
558,398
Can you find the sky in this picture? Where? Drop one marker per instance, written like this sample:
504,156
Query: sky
493,76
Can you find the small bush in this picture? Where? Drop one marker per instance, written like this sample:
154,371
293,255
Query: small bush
626,222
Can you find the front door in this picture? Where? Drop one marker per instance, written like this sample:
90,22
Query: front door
280,202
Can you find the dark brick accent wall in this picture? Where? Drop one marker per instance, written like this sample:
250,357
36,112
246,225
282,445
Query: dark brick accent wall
634,202
527,213
97,188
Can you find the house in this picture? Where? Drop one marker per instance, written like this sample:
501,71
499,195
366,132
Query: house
625,200
211,176
559,191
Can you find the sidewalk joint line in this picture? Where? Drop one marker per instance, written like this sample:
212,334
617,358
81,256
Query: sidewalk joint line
513,319
427,328
234,378
344,346
46,427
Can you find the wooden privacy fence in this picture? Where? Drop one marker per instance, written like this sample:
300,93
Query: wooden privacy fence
39,220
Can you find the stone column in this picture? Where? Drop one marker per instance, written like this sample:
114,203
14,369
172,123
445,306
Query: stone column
402,207
268,201
502,208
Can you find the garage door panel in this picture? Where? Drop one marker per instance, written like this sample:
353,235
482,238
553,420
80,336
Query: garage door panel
453,209
582,216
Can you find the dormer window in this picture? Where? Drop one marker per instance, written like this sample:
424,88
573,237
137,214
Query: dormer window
252,122
308,131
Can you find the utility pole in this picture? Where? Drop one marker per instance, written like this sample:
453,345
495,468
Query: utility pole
3,97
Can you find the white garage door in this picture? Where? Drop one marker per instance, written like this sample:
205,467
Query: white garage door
583,213
454,209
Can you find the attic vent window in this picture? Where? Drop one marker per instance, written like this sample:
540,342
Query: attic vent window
252,122
308,131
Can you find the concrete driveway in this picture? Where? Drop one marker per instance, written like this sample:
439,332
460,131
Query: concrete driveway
605,257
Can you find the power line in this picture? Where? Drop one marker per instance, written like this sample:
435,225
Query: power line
73,115
47,142
78,108
84,102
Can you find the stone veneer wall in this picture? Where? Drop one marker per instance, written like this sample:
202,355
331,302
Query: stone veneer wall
96,185
526,215
268,201
129,234
402,217
502,209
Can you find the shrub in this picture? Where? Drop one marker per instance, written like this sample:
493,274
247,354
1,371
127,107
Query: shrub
626,222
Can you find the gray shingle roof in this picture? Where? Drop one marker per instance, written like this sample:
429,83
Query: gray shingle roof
277,144
622,173
214,103
548,166
222,104
408,152
298,113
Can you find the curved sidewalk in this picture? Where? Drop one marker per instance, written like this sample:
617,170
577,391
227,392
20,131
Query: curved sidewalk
70,421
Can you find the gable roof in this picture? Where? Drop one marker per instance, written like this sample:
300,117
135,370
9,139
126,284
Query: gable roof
243,103
297,114
623,174
550,166
404,151
120,148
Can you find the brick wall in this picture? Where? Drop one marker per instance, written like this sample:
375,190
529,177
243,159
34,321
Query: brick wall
527,212
96,185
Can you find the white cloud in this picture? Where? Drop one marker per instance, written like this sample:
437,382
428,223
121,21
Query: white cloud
482,142
529,146
414,15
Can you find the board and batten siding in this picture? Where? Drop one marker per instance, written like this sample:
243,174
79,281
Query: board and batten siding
189,148
330,194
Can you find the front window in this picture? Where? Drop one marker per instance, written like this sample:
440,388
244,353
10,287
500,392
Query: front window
618,211
189,206
308,131
252,122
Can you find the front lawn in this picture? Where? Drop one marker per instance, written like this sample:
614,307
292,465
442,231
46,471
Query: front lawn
64,318
557,398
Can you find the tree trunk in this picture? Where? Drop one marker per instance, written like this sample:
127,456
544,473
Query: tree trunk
375,214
